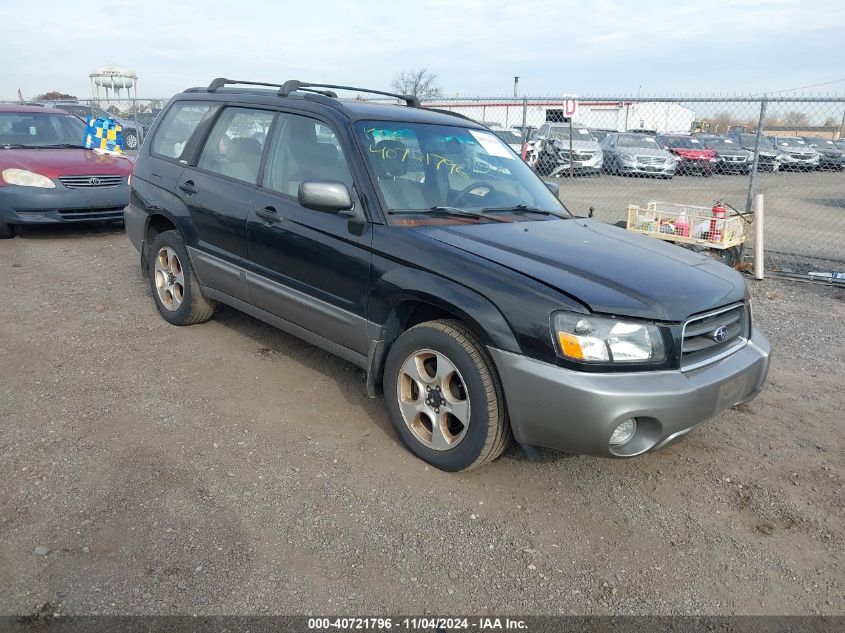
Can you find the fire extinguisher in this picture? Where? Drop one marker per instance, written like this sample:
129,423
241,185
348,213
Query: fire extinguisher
719,212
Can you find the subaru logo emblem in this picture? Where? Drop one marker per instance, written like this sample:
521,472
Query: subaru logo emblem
720,334
94,181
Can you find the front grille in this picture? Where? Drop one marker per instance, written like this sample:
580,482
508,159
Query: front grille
582,156
650,160
88,182
735,159
91,214
801,156
700,338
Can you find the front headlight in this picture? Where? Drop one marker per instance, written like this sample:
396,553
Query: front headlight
591,339
25,178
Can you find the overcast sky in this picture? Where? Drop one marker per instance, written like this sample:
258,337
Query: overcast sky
581,47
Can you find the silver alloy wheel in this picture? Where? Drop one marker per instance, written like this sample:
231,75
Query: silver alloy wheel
130,140
169,279
433,399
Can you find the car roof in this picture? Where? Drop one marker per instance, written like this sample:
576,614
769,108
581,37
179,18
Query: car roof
353,109
27,109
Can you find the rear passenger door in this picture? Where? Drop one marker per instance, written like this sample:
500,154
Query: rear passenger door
217,191
308,267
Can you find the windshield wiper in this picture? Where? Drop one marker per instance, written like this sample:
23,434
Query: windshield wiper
522,208
60,146
448,211
14,146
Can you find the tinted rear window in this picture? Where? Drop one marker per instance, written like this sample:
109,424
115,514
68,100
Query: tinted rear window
177,127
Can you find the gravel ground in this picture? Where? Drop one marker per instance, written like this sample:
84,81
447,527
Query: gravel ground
229,468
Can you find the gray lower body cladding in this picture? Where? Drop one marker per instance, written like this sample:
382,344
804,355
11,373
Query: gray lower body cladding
559,408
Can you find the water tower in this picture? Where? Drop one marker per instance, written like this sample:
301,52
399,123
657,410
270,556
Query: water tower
114,78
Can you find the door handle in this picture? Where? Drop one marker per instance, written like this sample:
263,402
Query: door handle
188,186
269,213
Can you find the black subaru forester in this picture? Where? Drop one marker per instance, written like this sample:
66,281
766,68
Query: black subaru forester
417,245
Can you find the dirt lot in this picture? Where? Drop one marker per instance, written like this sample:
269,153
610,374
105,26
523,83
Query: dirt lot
805,212
230,468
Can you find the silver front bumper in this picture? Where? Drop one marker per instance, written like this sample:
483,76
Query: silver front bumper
577,411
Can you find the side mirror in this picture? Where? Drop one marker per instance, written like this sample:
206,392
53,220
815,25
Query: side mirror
553,187
325,195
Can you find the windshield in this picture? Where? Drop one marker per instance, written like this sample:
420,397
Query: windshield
637,140
26,129
683,142
509,136
561,133
818,141
791,142
423,168
720,143
748,141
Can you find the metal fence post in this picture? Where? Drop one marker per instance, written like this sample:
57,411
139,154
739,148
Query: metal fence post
571,158
524,121
752,181
758,236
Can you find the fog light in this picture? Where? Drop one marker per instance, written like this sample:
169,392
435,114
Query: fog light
624,432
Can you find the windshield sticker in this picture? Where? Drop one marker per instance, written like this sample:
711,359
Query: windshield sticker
696,142
492,145
413,156
584,132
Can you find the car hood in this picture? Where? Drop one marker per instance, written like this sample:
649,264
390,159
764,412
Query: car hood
580,146
610,270
733,152
65,162
692,153
642,151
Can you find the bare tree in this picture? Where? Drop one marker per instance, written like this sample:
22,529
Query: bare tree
55,95
796,119
419,83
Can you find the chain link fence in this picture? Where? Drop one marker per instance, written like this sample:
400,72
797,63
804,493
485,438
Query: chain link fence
621,151
607,153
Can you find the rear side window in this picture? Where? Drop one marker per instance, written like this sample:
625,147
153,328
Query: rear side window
236,143
177,127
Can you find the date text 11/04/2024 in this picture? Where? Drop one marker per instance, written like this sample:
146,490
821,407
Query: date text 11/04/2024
417,624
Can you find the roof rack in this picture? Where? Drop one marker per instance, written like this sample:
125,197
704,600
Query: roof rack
293,84
222,81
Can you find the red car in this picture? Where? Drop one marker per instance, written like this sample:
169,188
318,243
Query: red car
693,156
47,176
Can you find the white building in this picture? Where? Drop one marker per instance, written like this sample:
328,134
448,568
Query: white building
610,115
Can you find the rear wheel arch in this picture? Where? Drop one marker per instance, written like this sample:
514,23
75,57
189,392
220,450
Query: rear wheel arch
157,224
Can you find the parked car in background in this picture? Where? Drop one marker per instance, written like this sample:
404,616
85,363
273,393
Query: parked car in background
797,155
693,156
479,307
769,157
512,138
733,159
46,175
600,134
145,120
637,154
549,150
830,156
840,143
133,134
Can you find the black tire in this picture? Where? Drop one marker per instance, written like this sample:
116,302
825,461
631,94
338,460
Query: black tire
6,230
488,432
131,139
193,306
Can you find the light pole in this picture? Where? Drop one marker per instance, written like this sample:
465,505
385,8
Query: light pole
515,87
